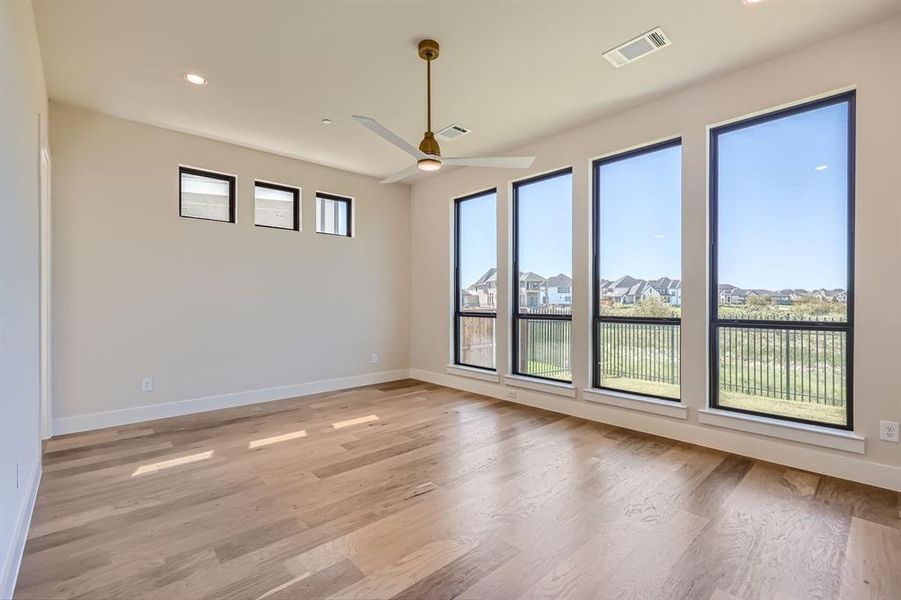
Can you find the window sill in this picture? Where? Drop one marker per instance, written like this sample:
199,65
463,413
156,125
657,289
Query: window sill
549,387
472,372
786,430
673,409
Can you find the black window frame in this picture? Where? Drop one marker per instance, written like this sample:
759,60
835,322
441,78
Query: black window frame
295,191
459,313
597,318
348,203
515,315
715,322
232,184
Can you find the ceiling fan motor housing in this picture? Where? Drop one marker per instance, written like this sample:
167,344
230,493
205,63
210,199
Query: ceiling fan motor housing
429,144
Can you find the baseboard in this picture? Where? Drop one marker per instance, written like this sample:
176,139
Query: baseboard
12,557
150,412
790,454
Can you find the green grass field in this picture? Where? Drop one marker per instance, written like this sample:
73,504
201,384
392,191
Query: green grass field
640,386
810,411
541,369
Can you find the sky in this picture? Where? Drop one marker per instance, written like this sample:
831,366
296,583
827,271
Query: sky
782,211
546,226
545,230
641,216
783,202
478,237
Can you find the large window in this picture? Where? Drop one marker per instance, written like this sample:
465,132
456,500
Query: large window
637,279
781,214
475,276
542,276
276,206
333,214
206,195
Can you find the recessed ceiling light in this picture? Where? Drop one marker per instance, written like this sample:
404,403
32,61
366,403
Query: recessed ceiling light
822,167
195,78
326,121
751,1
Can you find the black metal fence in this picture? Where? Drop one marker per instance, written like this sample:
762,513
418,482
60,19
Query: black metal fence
544,348
801,365
645,351
792,364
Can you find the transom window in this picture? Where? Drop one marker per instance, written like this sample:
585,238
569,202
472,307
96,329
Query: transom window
333,214
276,206
206,195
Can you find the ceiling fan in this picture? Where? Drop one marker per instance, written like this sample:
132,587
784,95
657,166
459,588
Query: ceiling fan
428,155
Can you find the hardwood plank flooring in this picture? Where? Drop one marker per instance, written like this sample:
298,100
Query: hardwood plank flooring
411,490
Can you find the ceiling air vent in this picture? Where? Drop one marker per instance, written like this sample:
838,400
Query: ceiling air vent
451,132
640,47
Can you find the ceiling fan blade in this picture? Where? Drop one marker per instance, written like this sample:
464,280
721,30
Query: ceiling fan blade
401,174
389,136
498,162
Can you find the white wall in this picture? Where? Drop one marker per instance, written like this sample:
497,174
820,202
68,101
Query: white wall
24,102
867,59
209,308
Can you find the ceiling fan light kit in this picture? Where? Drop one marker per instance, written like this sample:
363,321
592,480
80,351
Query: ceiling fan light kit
428,164
428,155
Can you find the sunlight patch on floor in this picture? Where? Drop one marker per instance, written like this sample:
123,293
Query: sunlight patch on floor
356,421
175,462
277,438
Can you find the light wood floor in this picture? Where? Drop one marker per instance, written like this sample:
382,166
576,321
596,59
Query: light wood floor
411,490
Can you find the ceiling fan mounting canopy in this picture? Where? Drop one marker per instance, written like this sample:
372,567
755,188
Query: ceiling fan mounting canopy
428,155
428,49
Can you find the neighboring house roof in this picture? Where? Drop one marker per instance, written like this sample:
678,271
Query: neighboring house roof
626,281
638,288
663,284
530,276
559,280
632,286
737,292
489,276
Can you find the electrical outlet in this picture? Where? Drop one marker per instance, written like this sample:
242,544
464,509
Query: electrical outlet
511,394
147,384
374,359
888,431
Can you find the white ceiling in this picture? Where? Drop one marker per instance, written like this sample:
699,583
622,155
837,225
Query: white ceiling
509,71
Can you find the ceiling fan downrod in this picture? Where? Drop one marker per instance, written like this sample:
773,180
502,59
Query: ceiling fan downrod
428,51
